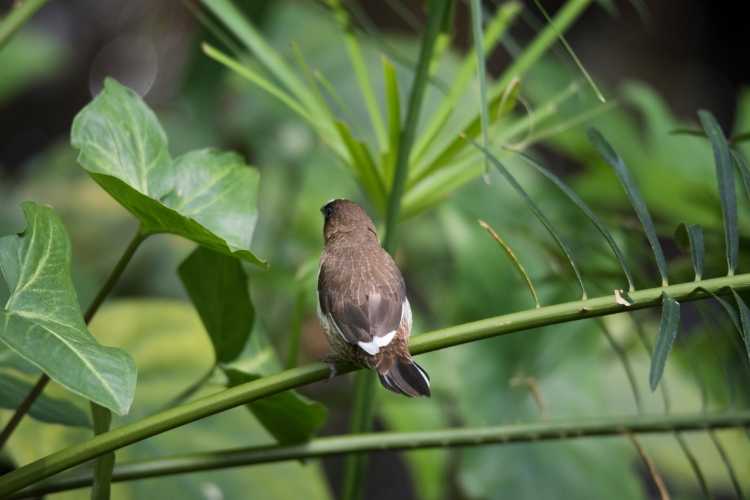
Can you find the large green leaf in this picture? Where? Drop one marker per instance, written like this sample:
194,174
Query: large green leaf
217,285
288,416
206,196
14,389
43,322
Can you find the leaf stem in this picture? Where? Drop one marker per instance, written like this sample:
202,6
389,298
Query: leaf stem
19,15
390,441
314,372
106,288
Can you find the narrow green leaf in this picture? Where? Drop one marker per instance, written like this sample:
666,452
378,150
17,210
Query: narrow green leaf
513,260
206,196
509,99
217,286
311,81
103,465
360,70
364,168
725,176
476,25
342,104
542,218
13,390
570,51
42,320
610,156
589,213
741,165
690,239
288,416
670,320
256,43
393,102
745,316
504,16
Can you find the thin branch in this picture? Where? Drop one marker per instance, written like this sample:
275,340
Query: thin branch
650,466
535,391
19,15
313,372
392,441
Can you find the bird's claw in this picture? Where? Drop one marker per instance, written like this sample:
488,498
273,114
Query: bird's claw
331,360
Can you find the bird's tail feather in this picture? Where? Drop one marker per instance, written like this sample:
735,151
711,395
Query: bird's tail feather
406,377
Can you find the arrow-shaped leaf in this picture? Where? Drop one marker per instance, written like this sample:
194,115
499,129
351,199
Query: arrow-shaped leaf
670,320
43,322
745,315
217,286
206,196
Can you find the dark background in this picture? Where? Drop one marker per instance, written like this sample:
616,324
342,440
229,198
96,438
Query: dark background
695,52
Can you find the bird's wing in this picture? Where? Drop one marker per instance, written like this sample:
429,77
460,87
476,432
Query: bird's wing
367,314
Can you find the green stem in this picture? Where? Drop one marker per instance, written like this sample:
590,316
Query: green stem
295,330
393,441
19,15
363,411
106,288
313,372
408,131
364,403
23,408
103,466
115,274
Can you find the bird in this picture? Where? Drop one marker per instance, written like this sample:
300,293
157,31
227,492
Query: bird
362,304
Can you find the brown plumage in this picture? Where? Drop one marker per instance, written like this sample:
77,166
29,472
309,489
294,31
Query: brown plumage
362,302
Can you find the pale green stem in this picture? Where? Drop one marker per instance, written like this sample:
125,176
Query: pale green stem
398,441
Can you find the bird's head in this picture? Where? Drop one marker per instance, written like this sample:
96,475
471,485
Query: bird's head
344,217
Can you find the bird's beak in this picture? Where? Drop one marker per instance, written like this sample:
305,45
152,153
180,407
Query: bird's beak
321,209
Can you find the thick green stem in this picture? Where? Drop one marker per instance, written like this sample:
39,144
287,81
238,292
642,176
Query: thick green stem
364,403
313,372
362,419
392,441
408,131
19,15
106,288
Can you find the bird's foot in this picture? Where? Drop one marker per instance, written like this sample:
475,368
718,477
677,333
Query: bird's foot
331,359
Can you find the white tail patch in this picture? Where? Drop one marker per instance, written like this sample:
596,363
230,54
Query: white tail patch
373,347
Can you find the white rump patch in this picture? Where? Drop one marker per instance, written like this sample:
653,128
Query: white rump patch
373,347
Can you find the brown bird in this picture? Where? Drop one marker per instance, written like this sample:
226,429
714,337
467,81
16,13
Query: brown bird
362,302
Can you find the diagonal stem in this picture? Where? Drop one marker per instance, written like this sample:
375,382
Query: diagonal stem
318,371
19,15
392,441
106,288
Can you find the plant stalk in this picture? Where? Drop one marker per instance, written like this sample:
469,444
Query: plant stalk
392,441
19,15
313,372
364,403
106,288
